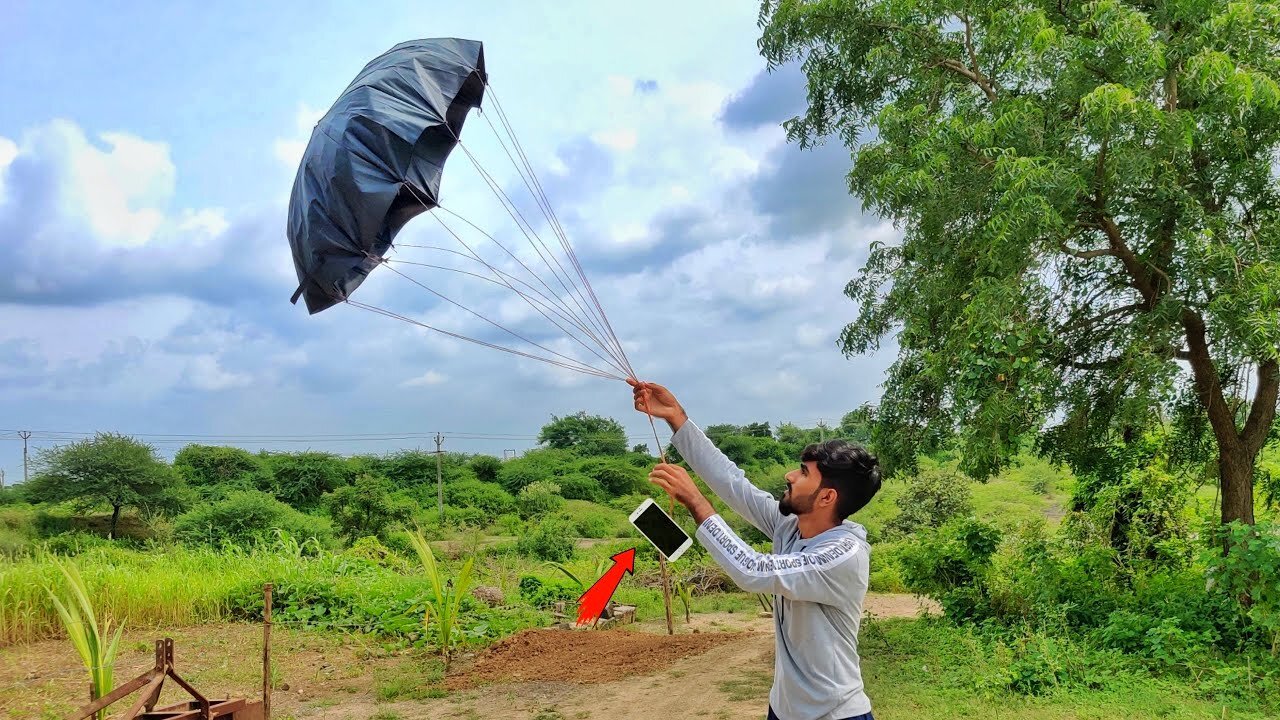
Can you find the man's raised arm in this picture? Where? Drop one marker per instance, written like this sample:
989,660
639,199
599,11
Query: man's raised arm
719,472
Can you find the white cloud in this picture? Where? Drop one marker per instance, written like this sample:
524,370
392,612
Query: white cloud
204,372
431,377
810,336
622,140
289,149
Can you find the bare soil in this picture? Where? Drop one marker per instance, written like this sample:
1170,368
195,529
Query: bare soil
719,666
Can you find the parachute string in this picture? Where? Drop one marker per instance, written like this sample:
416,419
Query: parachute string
527,299
565,308
590,333
555,221
491,322
547,302
586,370
527,229
534,304
544,204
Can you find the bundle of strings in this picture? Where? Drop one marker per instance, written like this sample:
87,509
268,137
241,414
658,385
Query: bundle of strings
574,310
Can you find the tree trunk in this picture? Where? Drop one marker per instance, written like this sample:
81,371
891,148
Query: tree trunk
115,518
1235,468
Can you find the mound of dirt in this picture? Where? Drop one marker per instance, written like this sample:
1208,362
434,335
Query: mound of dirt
584,656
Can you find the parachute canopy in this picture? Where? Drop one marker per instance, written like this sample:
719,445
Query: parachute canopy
375,161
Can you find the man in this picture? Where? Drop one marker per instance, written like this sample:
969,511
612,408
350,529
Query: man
818,571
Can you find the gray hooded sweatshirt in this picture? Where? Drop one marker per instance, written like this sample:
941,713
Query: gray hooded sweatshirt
818,585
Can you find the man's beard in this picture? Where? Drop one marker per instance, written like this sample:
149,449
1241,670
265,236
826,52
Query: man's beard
787,505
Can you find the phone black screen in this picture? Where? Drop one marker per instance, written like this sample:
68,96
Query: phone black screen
661,530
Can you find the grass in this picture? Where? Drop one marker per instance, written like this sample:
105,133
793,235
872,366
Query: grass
930,669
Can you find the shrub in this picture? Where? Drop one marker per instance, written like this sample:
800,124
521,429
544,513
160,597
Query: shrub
541,593
246,517
932,497
485,467
576,486
551,539
489,497
538,499
535,465
616,476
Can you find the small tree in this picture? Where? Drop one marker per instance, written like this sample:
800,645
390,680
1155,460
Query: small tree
368,507
301,479
110,469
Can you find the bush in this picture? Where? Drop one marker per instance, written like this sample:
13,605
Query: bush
247,517
538,499
580,487
616,476
551,539
486,468
949,565
535,465
542,593
932,497
489,497
597,521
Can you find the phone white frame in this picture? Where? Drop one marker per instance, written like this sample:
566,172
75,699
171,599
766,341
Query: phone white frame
688,541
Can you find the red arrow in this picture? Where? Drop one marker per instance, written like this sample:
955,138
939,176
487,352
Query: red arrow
594,600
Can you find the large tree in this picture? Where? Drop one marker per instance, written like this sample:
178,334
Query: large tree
585,434
108,469
1089,202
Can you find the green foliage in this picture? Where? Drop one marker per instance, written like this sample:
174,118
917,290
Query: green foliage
575,486
489,497
95,645
551,538
949,564
109,469
617,477
446,596
1087,194
485,467
1249,573
246,517
585,434
932,497
542,593
214,469
302,479
596,521
538,499
535,465
370,506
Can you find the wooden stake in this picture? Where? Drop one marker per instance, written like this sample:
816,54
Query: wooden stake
266,651
666,592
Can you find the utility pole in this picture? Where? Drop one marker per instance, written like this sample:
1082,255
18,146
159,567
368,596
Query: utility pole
1,478
25,435
439,480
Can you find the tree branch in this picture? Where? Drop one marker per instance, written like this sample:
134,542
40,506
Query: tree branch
977,78
1207,383
1087,322
1263,412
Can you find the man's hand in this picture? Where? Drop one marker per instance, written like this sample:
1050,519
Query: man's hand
676,481
658,401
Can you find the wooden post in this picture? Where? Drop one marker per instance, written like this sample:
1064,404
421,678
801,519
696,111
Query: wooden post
266,651
666,592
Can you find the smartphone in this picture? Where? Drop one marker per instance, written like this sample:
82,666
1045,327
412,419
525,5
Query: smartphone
660,530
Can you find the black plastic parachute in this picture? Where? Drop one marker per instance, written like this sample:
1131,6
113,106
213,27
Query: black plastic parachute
375,161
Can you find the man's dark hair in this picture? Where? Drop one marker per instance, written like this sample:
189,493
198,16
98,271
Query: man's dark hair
848,469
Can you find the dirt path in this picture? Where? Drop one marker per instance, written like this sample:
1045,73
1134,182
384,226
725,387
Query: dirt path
720,667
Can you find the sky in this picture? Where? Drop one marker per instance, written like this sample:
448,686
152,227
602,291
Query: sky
147,154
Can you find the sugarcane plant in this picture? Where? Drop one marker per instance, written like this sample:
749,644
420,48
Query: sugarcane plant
81,624
445,599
